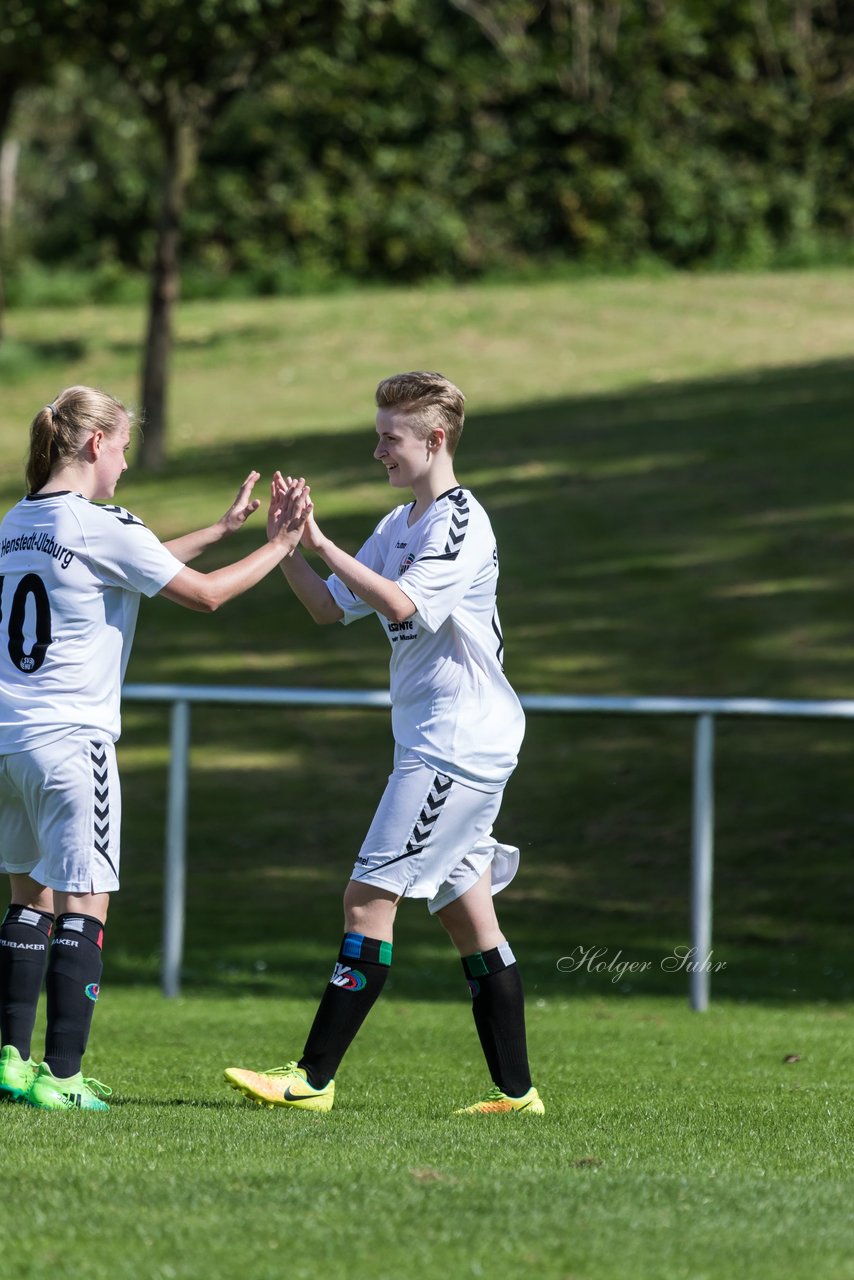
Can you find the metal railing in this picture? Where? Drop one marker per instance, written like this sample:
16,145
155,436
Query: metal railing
704,710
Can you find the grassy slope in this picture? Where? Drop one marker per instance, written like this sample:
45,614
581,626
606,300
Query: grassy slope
667,464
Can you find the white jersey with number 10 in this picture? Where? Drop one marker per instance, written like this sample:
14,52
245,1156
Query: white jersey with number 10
71,575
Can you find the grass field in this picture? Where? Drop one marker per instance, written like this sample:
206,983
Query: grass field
675,1147
668,465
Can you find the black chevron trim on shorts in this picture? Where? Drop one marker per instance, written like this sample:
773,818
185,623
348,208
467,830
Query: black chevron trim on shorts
101,823
457,531
423,829
499,652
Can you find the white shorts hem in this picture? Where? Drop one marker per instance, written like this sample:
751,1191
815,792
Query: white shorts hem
7,869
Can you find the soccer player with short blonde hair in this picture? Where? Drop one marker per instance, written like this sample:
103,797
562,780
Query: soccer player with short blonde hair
429,573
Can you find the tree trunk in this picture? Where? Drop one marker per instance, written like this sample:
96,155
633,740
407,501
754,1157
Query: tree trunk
7,98
180,147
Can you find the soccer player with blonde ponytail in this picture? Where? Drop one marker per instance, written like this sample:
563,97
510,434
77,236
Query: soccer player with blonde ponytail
73,566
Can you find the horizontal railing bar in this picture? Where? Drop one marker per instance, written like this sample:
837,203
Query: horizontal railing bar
560,703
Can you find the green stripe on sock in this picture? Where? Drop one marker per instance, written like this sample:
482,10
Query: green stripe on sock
385,952
477,966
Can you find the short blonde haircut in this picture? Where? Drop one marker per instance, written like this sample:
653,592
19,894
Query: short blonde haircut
429,400
59,430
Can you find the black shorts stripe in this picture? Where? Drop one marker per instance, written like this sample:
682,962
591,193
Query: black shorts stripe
499,652
101,811
424,826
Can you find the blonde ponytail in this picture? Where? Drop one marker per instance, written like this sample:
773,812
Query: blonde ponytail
59,430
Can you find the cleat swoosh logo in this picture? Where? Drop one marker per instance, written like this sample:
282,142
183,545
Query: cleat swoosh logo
290,1096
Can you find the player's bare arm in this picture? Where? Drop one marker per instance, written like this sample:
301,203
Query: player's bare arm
190,545
206,592
308,586
310,589
380,593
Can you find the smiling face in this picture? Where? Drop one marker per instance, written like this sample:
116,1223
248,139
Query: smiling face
405,454
110,461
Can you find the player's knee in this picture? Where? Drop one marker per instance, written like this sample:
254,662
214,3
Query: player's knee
368,911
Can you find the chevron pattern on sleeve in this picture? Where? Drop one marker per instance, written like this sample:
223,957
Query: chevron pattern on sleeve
125,517
457,530
101,816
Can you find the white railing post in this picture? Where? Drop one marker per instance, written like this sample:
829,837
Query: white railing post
702,852
175,869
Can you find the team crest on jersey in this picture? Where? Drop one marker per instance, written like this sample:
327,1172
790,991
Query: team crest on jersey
405,563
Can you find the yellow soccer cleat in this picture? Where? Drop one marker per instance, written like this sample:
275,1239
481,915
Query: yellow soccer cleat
498,1103
281,1087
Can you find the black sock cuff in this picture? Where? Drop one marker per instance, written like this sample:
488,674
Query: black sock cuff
356,946
41,920
483,963
73,924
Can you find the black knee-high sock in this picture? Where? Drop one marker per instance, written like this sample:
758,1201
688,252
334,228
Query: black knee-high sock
73,984
498,1005
357,980
24,937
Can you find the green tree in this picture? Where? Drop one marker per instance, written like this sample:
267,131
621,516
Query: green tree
186,64
28,51
404,139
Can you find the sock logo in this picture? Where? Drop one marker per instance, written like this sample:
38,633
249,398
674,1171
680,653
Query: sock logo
474,987
346,978
93,991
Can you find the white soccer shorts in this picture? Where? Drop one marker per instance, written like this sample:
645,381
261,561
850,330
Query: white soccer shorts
60,814
431,837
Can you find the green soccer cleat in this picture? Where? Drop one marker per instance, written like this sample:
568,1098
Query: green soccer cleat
16,1074
498,1103
281,1087
49,1093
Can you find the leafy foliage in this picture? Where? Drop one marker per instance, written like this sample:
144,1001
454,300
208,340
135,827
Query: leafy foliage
392,139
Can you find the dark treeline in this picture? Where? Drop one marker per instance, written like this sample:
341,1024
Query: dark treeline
403,139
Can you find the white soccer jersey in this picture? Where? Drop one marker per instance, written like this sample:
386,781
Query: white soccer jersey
71,574
451,702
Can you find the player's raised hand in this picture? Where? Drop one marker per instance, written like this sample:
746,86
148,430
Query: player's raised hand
278,497
243,506
312,538
289,509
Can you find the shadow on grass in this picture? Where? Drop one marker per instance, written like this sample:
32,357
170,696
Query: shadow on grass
680,539
19,359
689,539
166,1104
213,340
601,811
